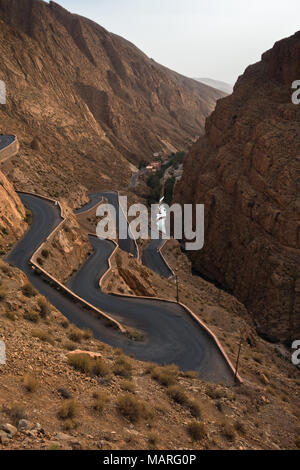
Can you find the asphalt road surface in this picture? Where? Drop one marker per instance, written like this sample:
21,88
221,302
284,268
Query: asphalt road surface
126,244
151,256
170,334
6,140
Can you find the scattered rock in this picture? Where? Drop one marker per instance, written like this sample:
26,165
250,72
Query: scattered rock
24,425
4,437
9,429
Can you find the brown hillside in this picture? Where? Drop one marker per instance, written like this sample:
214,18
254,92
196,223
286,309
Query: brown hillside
246,171
84,101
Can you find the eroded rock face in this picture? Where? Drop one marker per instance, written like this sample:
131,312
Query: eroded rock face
84,102
12,215
246,170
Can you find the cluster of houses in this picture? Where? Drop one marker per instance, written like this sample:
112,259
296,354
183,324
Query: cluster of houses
153,167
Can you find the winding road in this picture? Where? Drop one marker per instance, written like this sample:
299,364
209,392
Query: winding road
170,334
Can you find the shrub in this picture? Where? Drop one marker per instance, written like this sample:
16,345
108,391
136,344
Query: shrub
43,335
178,394
31,384
101,400
195,408
4,268
65,324
196,430
11,315
219,406
228,430
214,392
66,394
44,307
153,440
191,374
32,316
75,335
150,367
88,365
100,368
128,386
87,334
69,425
166,375
3,293
240,427
133,409
69,410
122,367
28,216
28,290
17,412
297,442
45,253
40,261
69,345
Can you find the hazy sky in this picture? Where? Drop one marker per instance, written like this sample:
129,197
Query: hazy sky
198,38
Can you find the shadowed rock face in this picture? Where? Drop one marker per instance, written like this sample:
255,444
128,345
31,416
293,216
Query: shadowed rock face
92,99
246,169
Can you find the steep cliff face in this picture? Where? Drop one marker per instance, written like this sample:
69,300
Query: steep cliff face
246,169
91,100
12,215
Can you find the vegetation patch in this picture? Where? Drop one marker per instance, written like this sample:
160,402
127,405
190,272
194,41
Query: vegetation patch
196,430
132,409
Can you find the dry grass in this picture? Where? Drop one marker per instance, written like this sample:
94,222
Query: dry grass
123,367
31,384
153,440
43,335
178,394
190,374
75,335
69,410
132,409
32,316
195,408
17,412
166,375
64,393
88,365
127,386
3,293
28,290
101,399
196,430
44,307
228,430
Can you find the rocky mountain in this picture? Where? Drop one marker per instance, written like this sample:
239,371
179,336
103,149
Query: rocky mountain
219,85
246,171
86,103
